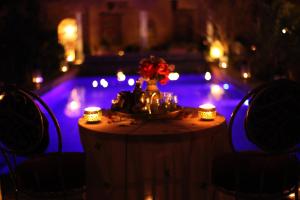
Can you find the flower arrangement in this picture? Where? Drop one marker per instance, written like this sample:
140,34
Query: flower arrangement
154,68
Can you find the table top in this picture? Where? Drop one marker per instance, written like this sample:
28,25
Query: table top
187,123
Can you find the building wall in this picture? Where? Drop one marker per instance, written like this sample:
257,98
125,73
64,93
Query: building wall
102,19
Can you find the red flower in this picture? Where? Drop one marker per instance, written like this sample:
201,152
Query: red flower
155,68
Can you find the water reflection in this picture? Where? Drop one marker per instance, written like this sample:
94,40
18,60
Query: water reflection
75,102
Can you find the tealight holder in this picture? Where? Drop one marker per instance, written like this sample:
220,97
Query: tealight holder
92,114
207,112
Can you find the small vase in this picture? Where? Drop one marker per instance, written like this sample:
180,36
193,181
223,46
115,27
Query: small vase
152,86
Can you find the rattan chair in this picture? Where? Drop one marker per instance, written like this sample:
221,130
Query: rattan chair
272,123
24,135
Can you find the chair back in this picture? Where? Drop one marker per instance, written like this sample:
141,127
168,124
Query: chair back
272,115
23,126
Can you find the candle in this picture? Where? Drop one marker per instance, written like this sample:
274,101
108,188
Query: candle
207,112
92,114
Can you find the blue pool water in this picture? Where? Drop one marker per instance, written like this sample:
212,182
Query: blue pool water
68,100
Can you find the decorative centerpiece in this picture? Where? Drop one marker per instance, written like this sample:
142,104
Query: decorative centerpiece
151,102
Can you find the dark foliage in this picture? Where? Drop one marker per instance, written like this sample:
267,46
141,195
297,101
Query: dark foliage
24,45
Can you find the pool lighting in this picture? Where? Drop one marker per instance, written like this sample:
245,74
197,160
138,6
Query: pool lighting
64,68
104,83
207,112
37,79
207,76
223,65
121,76
95,84
226,86
246,75
173,76
92,114
131,81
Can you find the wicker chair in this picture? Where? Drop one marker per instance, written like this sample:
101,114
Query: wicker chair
272,123
24,134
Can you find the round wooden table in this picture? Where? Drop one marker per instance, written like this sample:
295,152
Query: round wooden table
152,159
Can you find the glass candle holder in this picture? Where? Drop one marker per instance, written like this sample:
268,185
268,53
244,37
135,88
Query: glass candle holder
92,114
207,112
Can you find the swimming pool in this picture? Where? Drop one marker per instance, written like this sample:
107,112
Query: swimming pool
68,100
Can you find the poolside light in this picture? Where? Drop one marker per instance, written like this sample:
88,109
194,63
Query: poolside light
246,75
95,84
92,114
207,112
207,76
37,79
223,65
64,68
121,76
131,81
121,53
104,83
226,86
70,55
216,50
173,76
284,30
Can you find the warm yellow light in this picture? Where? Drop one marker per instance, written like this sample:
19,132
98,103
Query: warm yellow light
121,53
64,68
292,195
284,30
223,65
1,96
92,114
70,54
173,76
149,197
70,31
67,31
121,76
216,50
37,79
246,75
207,112
216,90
